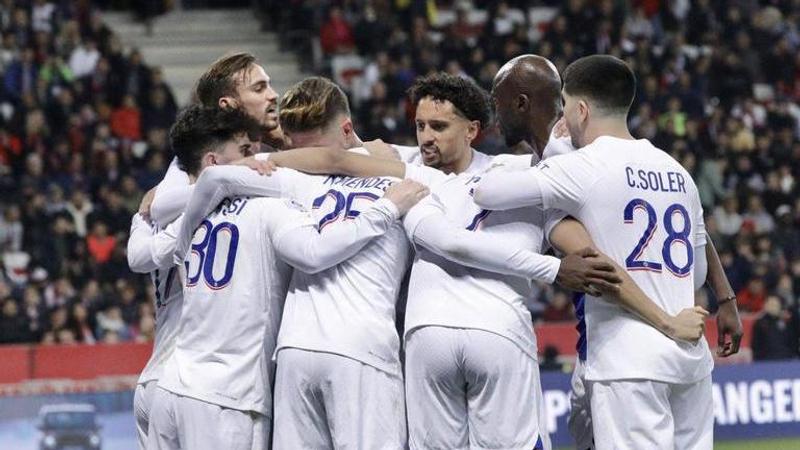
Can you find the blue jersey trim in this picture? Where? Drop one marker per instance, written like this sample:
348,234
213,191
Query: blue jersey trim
577,301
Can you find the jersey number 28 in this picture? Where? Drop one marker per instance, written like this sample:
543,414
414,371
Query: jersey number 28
632,262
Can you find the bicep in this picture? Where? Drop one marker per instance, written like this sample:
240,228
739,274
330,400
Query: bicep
570,236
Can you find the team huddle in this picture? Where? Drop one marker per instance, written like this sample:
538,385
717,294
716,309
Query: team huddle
279,275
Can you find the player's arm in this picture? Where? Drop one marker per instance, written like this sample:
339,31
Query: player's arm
427,225
215,184
147,251
171,195
324,160
569,236
728,321
139,257
299,243
561,182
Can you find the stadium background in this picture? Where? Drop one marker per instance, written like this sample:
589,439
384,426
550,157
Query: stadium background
89,90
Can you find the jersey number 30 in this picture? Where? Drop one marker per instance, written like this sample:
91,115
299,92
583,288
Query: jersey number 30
632,262
205,254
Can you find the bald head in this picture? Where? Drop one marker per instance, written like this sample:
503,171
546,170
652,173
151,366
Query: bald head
527,95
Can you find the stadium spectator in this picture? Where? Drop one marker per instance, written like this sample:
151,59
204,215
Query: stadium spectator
719,88
773,337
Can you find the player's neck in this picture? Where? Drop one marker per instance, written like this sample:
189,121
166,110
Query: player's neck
460,165
613,127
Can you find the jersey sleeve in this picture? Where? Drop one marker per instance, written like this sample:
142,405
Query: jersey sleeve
171,195
407,153
298,242
218,182
139,259
552,217
427,226
561,182
147,251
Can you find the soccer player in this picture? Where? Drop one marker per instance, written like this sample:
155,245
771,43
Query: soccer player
664,384
521,119
339,381
215,389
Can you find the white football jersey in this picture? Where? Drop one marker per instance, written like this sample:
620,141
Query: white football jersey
348,309
642,209
147,242
448,294
234,286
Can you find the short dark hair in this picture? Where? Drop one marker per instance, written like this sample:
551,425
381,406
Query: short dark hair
605,80
469,99
199,130
312,104
218,81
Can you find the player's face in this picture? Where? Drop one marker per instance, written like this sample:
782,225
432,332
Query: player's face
443,135
235,149
575,117
256,97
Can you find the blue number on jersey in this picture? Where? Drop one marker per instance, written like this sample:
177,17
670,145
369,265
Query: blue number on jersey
633,262
343,204
206,250
478,219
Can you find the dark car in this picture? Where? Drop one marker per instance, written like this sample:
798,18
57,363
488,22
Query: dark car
69,426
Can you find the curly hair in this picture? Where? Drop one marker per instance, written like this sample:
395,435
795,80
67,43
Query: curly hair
468,99
312,104
199,130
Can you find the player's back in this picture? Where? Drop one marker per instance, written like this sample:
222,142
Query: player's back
642,209
234,287
348,309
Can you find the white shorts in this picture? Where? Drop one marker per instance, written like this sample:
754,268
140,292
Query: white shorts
178,422
472,389
637,414
326,401
580,414
142,403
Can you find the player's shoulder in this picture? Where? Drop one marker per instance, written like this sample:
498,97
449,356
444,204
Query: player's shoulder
408,154
508,161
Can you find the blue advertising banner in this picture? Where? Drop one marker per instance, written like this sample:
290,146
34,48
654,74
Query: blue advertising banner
751,401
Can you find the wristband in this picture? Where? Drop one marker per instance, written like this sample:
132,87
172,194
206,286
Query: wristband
731,298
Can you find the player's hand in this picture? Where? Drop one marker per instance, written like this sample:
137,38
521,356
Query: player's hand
406,194
380,149
728,323
688,325
587,271
147,201
262,167
560,129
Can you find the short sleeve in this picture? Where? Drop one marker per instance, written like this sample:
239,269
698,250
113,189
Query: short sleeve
565,181
552,217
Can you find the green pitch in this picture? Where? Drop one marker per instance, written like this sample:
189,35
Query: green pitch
760,444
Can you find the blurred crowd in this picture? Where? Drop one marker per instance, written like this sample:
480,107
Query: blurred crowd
83,127
718,88
83,132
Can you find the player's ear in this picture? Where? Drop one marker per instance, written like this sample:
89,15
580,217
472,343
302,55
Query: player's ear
583,110
523,103
347,127
227,102
473,128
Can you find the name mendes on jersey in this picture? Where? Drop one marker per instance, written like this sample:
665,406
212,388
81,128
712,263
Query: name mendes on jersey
380,183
